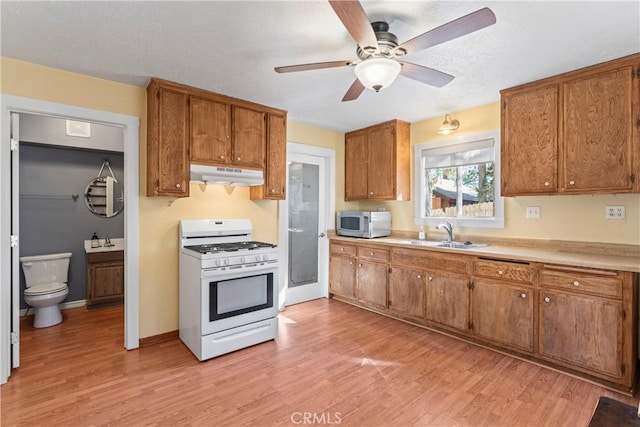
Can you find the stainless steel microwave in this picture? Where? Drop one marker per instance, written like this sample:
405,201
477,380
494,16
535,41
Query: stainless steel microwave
367,224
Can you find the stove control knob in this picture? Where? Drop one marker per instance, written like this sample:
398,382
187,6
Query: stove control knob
226,262
257,258
218,262
265,257
242,259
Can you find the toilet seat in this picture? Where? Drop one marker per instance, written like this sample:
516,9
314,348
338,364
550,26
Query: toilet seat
45,289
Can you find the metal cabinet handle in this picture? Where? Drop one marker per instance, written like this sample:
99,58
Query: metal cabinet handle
419,276
547,299
500,272
430,278
350,262
273,190
371,193
178,185
371,254
576,283
546,183
239,158
523,295
221,157
572,182
341,249
360,265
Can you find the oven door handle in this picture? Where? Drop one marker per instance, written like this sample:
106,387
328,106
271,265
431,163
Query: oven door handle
218,273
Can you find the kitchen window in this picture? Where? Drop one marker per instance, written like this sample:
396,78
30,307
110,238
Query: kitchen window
458,180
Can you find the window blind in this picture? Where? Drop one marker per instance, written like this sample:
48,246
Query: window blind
468,153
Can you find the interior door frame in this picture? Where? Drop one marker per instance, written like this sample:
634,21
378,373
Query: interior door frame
131,126
329,156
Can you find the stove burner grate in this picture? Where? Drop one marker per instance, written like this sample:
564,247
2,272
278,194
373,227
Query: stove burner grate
212,248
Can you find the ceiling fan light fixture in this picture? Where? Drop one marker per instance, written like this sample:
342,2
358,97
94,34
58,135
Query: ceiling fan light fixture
377,73
448,126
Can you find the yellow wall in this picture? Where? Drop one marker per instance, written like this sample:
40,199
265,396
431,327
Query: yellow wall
577,218
159,216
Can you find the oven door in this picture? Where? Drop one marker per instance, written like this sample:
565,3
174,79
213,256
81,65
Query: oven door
232,298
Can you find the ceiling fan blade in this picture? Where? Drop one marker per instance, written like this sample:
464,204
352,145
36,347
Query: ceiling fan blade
354,91
451,30
425,74
356,22
313,66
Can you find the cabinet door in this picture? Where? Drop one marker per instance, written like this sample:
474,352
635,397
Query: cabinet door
372,283
210,127
106,283
171,158
406,292
582,330
529,152
342,276
248,138
447,300
598,132
275,174
503,313
355,166
381,163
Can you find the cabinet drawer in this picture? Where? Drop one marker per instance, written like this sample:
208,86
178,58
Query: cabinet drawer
503,270
427,260
378,254
608,286
343,249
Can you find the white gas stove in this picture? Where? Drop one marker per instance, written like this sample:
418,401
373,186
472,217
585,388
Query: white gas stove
228,287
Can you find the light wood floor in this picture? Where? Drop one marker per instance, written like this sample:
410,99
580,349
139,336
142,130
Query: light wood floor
337,363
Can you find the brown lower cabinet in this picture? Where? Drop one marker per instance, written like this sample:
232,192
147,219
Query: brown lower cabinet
406,292
447,300
503,313
105,279
579,320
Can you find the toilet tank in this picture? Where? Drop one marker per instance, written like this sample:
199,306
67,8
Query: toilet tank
49,268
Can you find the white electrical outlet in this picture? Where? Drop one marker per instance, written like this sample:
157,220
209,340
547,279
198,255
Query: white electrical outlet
533,212
614,212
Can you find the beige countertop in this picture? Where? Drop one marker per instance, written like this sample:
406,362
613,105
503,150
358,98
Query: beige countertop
118,245
630,262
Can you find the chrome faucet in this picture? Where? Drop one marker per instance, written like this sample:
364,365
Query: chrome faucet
107,242
449,227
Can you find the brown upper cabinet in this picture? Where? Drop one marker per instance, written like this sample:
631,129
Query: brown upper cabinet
190,125
167,141
275,176
576,133
377,162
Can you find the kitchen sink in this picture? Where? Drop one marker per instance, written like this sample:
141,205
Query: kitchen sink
437,244
460,245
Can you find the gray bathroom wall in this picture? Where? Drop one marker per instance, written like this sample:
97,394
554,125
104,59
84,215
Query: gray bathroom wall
50,220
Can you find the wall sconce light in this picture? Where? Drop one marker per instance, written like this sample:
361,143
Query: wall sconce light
448,125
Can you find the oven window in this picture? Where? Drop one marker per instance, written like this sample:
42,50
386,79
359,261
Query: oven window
350,223
233,297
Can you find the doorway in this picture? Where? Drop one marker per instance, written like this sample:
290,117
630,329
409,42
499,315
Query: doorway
305,217
12,107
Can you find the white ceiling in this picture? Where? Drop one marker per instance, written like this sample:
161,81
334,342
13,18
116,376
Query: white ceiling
232,48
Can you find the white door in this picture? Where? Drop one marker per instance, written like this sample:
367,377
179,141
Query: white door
15,249
306,228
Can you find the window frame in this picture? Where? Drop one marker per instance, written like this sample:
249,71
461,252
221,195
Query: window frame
497,221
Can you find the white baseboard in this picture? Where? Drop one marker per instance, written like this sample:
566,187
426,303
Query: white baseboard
63,306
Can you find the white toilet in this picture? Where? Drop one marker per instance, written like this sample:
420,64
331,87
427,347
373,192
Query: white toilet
46,279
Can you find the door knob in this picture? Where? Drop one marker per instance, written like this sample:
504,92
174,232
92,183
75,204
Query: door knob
321,235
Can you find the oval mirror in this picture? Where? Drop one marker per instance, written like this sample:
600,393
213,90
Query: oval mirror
104,196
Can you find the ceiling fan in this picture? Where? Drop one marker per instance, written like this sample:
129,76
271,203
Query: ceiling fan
378,50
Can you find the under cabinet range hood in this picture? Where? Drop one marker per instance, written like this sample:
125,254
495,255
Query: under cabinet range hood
226,175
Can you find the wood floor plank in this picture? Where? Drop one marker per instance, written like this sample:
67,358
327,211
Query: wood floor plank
332,361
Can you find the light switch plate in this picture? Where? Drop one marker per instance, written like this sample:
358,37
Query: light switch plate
533,212
614,212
